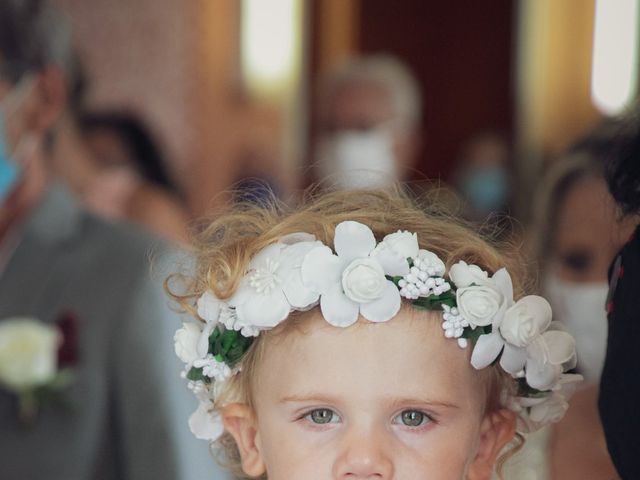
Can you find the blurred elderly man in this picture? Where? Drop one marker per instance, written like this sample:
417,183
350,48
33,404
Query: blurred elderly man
369,114
89,387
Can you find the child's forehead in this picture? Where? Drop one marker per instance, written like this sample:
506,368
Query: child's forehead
408,353
409,321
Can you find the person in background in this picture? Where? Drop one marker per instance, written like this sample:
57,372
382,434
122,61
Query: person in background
131,179
620,384
368,116
578,234
82,321
112,163
484,178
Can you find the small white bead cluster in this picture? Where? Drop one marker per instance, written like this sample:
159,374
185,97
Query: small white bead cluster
454,324
418,283
196,386
433,266
229,319
212,368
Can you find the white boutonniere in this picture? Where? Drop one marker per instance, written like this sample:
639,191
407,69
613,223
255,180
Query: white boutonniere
29,366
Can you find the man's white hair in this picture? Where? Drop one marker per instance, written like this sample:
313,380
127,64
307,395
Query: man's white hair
385,71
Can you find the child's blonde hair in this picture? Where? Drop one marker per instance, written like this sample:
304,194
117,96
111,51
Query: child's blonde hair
227,245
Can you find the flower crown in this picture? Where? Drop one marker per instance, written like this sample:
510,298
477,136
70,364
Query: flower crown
367,278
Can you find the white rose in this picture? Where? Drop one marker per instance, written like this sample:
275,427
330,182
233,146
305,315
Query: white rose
463,275
28,353
550,411
479,305
186,342
404,243
363,280
524,321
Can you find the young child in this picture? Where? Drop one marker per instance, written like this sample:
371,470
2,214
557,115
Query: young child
359,337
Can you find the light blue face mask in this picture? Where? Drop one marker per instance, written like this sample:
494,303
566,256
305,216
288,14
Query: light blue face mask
9,170
486,188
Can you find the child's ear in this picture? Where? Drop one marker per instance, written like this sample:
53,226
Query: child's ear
497,430
240,422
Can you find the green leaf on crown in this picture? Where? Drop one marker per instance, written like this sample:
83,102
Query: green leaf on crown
435,302
524,390
395,279
196,375
472,334
228,346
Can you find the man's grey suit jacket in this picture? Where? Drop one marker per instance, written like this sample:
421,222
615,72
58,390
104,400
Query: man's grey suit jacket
128,407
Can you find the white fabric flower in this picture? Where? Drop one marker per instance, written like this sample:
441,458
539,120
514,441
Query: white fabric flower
212,368
537,412
550,411
214,311
524,321
403,242
479,304
209,307
548,356
363,280
484,304
273,286
28,353
205,423
186,341
392,252
542,362
464,275
352,282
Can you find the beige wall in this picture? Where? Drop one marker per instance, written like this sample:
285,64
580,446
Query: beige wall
175,63
554,77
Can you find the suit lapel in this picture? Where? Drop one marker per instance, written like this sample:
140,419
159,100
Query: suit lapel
36,275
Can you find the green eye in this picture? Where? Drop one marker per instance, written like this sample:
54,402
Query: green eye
412,418
322,416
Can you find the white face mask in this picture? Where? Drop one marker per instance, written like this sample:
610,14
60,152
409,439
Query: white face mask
353,159
580,307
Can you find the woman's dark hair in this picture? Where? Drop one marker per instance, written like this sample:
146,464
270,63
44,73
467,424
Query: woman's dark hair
148,160
623,164
585,158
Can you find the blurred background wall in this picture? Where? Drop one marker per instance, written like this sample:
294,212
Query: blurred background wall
522,68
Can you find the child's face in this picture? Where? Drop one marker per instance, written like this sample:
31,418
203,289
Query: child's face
395,400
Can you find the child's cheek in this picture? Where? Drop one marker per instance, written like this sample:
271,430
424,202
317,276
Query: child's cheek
436,442
436,457
303,455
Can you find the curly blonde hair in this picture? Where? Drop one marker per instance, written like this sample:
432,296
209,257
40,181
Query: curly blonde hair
225,248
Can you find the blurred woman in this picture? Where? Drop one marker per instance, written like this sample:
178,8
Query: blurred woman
112,163
131,178
578,235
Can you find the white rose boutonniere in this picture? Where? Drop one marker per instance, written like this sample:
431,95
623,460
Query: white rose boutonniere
29,363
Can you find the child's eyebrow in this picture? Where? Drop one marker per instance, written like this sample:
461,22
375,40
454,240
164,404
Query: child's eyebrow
416,402
393,402
308,397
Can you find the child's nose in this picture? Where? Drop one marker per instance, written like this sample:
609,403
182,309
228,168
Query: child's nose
364,456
